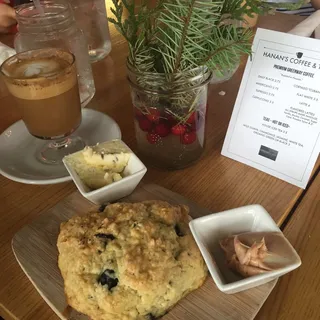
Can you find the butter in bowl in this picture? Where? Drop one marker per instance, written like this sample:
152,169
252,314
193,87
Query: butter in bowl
243,248
252,253
105,172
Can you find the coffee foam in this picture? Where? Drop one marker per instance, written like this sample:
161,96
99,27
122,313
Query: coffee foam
40,78
35,69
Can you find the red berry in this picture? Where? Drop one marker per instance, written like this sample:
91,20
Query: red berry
153,114
178,129
192,127
145,124
162,129
171,119
192,118
153,138
189,137
138,113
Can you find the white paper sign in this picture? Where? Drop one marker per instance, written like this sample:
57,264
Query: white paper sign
275,124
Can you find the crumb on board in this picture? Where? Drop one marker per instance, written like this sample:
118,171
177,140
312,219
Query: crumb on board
222,93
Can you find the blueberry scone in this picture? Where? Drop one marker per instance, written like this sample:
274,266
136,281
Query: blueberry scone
131,261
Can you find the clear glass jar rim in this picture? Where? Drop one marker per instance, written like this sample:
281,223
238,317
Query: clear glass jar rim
207,74
16,56
136,72
30,6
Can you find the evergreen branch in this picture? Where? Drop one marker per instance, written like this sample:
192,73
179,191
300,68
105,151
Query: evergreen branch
118,11
186,21
174,36
225,52
185,27
221,49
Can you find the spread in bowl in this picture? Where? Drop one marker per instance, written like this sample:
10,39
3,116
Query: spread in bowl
100,165
254,253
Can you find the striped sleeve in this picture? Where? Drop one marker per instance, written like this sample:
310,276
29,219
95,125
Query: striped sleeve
305,10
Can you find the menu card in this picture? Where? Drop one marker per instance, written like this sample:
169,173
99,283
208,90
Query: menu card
275,124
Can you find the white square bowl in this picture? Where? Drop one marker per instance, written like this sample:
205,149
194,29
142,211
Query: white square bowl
210,229
133,173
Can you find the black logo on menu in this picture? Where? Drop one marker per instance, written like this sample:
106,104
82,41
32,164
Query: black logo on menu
299,55
268,153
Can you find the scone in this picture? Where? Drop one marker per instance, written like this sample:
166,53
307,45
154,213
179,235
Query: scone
131,261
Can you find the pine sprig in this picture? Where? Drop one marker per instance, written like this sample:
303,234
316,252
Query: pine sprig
227,44
237,9
141,56
174,36
183,32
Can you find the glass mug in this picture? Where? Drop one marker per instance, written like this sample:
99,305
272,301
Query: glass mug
44,85
56,28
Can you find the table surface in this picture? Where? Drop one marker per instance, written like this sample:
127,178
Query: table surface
215,182
296,295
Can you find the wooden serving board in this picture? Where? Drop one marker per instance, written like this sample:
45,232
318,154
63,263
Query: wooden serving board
35,249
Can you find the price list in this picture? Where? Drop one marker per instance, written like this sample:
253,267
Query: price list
275,123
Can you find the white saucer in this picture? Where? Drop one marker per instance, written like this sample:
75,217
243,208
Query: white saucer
18,149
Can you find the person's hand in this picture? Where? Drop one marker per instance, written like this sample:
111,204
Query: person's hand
7,18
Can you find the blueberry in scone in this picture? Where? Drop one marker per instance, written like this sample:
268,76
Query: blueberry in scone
133,261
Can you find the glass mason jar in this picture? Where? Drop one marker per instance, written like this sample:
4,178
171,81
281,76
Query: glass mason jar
56,28
170,112
91,18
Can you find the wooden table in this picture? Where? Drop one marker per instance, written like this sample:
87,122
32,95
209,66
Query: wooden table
296,296
215,182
